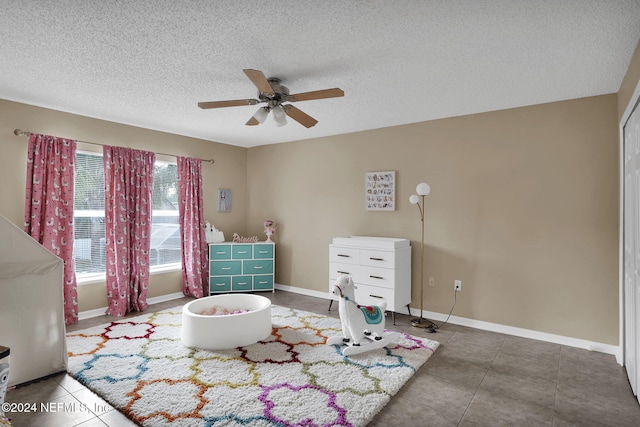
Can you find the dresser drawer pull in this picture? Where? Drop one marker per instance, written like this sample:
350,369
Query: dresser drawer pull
376,296
376,277
262,282
344,256
226,268
220,252
257,267
263,252
220,284
343,272
243,252
376,259
243,283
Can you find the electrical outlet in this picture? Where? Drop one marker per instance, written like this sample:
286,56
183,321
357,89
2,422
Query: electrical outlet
432,281
457,285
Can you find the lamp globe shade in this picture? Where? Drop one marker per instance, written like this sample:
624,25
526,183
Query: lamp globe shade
423,189
413,199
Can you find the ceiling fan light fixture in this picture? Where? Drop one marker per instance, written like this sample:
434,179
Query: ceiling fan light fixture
279,116
281,121
261,114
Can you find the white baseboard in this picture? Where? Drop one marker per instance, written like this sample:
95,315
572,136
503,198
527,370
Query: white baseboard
521,332
488,326
456,320
302,291
153,300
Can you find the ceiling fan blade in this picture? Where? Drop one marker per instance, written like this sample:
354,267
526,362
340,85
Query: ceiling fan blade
316,94
252,122
232,103
258,78
299,116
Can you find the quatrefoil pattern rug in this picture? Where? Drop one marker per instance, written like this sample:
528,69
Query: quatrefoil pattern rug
293,378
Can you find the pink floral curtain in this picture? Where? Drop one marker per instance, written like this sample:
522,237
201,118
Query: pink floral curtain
191,217
128,179
48,210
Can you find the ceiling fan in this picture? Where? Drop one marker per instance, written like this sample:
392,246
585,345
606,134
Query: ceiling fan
271,92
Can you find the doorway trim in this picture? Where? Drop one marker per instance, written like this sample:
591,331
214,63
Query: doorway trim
633,101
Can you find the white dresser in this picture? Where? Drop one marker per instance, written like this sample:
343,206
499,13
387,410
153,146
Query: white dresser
380,268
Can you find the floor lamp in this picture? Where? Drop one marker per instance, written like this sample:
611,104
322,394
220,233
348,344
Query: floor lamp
422,189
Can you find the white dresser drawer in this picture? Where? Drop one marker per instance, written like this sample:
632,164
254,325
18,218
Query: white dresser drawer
374,258
382,277
344,255
373,295
336,269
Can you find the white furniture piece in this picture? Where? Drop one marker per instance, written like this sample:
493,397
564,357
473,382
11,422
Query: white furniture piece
241,267
226,331
379,266
31,306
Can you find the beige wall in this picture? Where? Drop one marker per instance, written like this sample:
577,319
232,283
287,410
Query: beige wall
523,209
229,171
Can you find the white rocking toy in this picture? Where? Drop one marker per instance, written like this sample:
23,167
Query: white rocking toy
362,326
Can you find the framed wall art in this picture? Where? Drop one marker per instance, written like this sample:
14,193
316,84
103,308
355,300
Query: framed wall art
380,190
224,200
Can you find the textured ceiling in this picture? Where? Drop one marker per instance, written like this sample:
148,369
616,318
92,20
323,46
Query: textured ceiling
148,63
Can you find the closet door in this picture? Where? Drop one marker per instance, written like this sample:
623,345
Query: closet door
632,248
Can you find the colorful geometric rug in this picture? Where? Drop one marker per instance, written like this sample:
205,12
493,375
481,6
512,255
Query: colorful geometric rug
140,366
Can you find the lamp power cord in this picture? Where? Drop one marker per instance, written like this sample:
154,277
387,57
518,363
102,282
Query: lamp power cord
435,327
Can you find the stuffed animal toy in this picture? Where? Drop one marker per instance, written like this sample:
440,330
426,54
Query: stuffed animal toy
362,325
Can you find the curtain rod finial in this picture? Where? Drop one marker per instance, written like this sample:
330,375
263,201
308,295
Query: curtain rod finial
19,132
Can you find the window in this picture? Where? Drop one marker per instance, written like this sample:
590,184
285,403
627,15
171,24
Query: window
89,239
165,230
88,214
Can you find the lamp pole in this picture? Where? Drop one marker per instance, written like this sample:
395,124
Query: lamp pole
422,189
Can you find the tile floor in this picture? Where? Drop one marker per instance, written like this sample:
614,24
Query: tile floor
476,378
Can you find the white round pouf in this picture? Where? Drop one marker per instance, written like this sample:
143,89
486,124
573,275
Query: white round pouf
227,331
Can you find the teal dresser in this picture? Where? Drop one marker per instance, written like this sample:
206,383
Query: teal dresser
241,267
